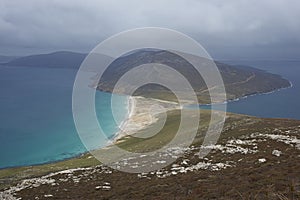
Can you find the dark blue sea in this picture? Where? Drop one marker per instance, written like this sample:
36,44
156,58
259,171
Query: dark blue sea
284,103
36,122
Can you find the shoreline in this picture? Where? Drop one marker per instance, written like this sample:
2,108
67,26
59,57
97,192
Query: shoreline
142,112
128,125
262,93
130,111
140,116
250,95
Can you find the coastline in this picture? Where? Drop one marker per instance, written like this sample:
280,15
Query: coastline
136,121
250,95
142,112
262,93
11,178
249,140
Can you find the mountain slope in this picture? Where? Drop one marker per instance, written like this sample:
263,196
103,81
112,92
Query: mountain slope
239,81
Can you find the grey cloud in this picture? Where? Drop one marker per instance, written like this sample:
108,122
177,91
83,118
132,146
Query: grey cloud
42,25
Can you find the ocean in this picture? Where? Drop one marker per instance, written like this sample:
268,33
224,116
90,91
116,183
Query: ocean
284,103
36,122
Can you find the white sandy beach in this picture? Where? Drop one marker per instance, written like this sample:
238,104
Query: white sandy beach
142,112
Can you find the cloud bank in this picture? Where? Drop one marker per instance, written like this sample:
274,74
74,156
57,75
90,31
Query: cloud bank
233,28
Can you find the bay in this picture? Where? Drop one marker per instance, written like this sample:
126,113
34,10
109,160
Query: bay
36,121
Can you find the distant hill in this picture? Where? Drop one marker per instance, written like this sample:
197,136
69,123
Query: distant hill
5,59
62,59
239,81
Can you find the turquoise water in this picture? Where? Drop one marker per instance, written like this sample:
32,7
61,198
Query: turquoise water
36,122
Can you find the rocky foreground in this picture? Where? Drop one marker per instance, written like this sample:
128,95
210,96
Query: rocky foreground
254,159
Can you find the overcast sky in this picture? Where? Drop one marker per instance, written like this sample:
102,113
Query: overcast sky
261,29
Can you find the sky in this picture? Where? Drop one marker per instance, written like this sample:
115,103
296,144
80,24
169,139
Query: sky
227,29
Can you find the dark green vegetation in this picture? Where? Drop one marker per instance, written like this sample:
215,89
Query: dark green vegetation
246,178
